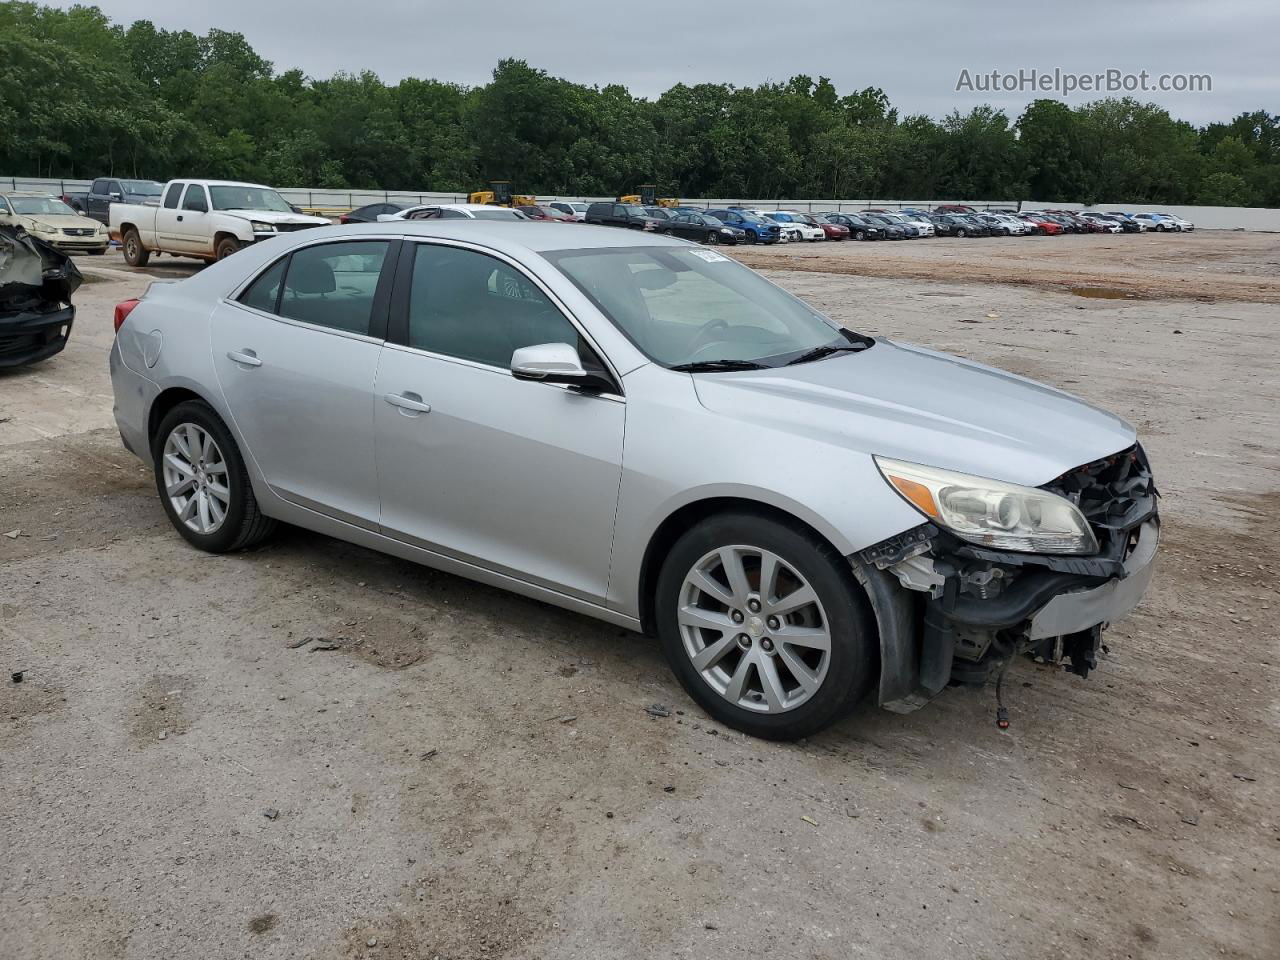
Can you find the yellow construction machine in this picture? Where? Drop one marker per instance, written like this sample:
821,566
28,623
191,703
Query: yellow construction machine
648,197
499,195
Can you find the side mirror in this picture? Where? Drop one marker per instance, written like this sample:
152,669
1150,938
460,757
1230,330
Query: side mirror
114,195
548,362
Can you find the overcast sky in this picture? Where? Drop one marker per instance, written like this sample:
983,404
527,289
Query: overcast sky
914,49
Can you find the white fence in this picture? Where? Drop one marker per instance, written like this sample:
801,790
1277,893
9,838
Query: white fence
1209,218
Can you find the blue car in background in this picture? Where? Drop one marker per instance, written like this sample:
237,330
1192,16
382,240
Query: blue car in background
757,229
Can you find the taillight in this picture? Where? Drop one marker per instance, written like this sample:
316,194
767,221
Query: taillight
123,310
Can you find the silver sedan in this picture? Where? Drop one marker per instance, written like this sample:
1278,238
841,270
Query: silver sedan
648,432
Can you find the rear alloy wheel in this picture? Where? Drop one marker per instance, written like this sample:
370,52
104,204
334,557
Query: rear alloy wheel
203,483
764,626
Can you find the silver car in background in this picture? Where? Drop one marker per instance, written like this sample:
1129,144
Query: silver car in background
645,431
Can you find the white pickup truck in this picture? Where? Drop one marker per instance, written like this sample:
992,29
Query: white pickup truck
206,219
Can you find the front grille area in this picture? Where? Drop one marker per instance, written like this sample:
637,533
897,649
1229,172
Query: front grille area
1116,495
291,227
79,231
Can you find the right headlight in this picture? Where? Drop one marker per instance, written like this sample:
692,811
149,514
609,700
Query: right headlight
992,513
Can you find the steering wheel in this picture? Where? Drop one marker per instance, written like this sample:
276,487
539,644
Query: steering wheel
704,339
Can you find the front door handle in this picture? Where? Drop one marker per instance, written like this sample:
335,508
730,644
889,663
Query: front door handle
179,216
247,357
409,402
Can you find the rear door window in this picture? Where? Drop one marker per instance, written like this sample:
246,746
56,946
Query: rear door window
333,285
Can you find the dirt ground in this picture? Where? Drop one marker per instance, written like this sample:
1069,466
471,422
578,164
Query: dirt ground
187,771
1208,265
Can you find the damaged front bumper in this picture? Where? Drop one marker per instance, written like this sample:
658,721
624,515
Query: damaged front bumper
951,611
36,284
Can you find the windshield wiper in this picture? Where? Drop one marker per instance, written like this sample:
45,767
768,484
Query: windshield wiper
826,350
708,366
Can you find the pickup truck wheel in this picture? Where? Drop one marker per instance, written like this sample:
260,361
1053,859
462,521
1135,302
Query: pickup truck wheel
135,254
765,626
226,247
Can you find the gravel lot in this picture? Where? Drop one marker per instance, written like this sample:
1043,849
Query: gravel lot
471,774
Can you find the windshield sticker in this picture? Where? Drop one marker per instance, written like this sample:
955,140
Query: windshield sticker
709,255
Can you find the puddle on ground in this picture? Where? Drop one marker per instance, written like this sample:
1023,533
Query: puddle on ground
1103,293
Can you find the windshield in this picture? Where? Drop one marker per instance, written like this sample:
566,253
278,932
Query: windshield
142,188
682,306
31,206
498,213
247,198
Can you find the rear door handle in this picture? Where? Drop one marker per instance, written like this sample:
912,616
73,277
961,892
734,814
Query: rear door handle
247,357
409,402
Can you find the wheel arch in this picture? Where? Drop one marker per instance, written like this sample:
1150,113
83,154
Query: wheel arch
165,401
682,518
225,234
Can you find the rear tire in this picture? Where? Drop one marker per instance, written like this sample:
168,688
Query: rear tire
243,524
135,254
836,677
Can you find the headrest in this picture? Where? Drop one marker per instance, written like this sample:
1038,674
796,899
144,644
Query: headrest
307,275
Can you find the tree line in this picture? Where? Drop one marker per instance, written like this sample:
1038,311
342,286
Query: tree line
81,97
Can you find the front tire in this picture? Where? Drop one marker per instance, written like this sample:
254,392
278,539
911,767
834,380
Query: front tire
226,247
203,483
765,626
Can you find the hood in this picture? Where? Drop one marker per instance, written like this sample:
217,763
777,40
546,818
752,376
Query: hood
915,404
275,216
61,220
33,275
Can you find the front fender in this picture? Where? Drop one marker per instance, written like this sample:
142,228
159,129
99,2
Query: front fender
677,452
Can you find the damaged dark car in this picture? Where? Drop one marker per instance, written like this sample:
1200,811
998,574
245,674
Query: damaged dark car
36,284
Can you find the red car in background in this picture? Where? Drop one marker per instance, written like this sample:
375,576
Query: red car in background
539,212
833,230
1042,224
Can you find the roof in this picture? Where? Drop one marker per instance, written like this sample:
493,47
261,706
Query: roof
28,193
533,235
459,206
221,183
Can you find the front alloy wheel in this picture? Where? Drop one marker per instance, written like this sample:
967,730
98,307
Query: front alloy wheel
765,625
754,629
